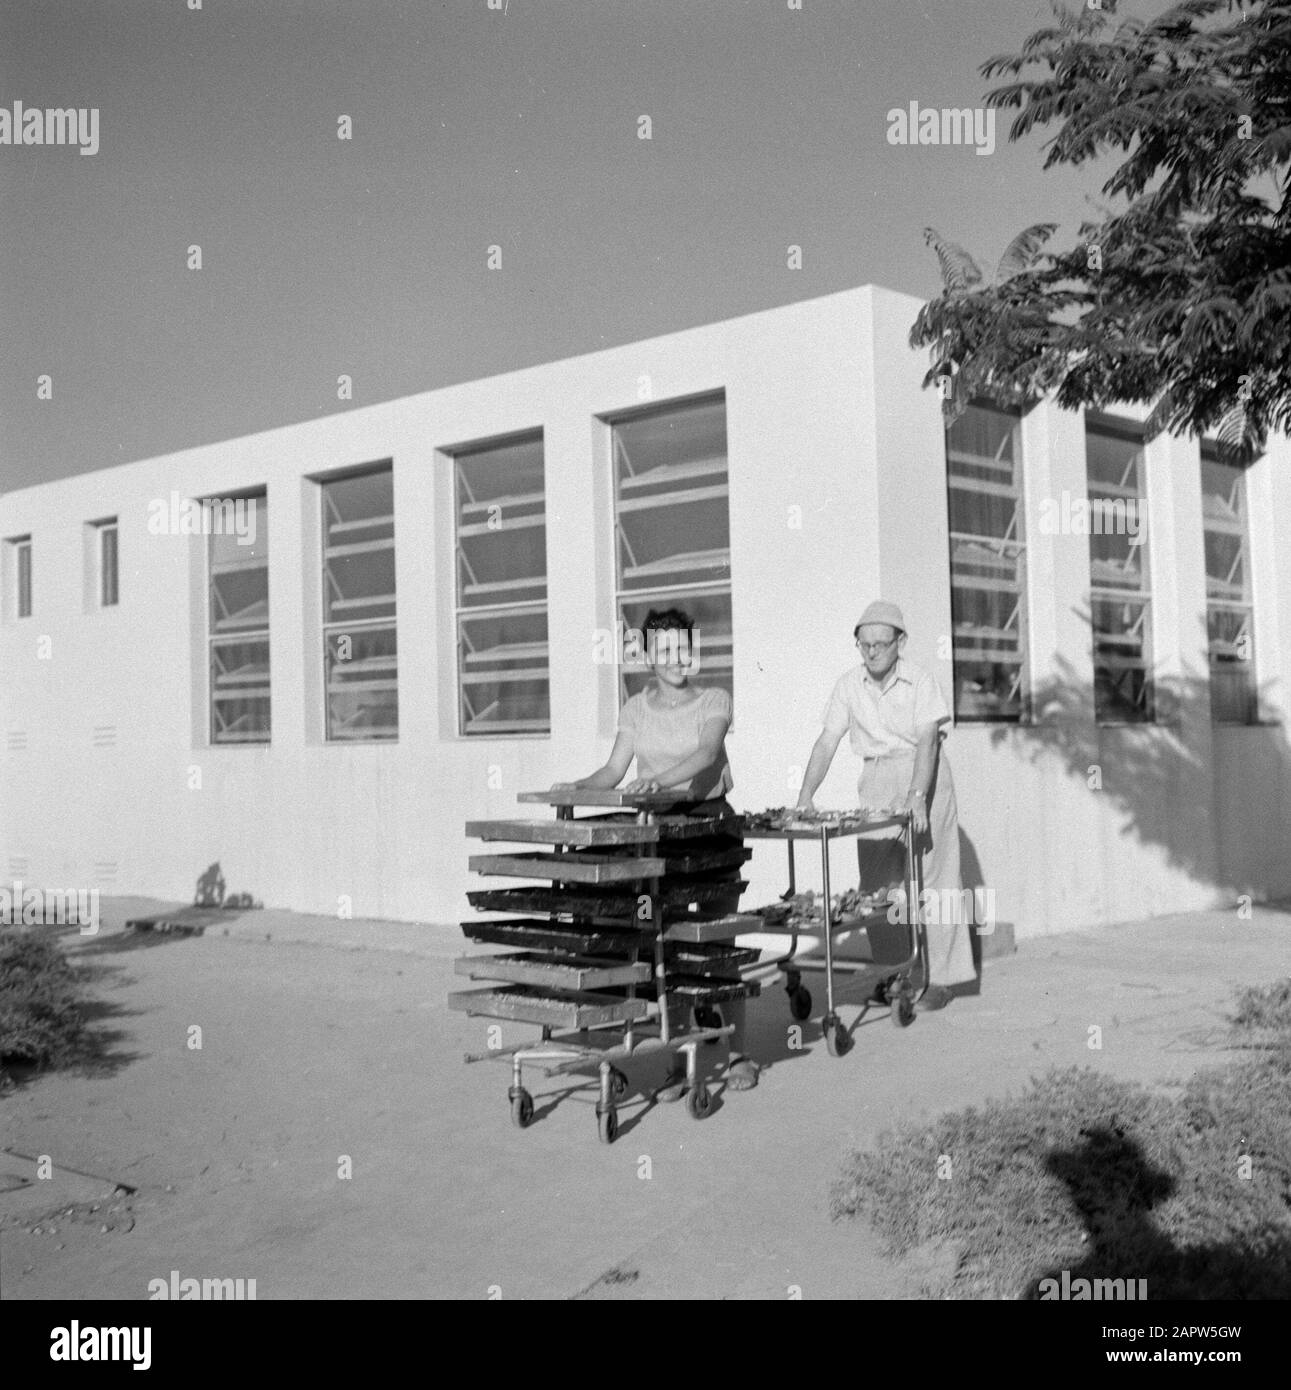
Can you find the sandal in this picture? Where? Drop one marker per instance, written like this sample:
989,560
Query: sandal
742,1075
880,993
673,1088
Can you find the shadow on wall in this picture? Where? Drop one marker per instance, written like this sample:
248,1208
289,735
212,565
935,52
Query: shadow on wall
1227,829
970,876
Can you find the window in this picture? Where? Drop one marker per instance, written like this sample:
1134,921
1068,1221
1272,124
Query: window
500,510
360,655
1229,612
672,530
987,564
105,562
239,619
1120,597
20,554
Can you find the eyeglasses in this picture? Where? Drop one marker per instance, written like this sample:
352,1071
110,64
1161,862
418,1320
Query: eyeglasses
875,647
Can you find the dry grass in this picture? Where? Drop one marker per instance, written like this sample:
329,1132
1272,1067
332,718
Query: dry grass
1189,1191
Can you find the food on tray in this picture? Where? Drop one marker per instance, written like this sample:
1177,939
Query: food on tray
805,911
791,818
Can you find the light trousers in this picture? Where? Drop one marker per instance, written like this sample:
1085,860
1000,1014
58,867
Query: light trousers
886,782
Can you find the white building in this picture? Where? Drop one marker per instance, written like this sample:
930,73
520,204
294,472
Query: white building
172,701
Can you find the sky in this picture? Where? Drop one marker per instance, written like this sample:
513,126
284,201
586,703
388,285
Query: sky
471,127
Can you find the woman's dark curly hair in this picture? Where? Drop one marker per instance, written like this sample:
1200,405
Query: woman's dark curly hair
668,620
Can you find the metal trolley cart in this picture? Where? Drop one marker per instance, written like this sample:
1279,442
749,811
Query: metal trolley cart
899,991
631,919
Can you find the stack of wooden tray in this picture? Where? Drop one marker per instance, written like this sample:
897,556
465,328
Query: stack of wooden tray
618,896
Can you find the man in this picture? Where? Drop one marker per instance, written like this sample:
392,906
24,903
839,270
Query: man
896,717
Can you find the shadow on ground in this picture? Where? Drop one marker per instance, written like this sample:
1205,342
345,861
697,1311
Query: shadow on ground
1114,1188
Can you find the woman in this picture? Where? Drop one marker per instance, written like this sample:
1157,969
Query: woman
676,731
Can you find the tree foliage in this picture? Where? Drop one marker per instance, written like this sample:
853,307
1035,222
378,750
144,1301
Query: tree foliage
1179,296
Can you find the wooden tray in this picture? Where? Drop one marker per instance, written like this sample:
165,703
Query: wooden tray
573,867
528,1004
703,861
553,972
597,831
603,908
704,929
833,831
701,989
587,796
716,958
574,938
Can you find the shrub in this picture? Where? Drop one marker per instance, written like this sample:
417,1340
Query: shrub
42,1020
1263,1015
1103,1178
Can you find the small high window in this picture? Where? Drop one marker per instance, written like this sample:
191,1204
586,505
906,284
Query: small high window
20,569
105,563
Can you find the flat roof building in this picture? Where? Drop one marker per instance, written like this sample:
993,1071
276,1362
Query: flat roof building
394,619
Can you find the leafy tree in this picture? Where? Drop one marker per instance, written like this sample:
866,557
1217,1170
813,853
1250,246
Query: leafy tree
1179,297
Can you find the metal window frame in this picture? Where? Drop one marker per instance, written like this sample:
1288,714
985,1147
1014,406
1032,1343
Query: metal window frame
712,557
1115,670
332,628
22,574
471,723
1238,599
1017,703
228,735
102,530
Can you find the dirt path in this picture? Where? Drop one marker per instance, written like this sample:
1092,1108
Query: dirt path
313,1053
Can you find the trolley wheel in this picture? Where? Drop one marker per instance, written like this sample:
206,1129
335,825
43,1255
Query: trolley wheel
698,1101
903,1010
607,1125
618,1084
521,1108
800,1003
838,1041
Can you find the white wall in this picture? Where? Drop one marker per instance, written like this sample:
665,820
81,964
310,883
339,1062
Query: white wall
837,495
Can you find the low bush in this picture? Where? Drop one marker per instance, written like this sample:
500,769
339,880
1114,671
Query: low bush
42,1008
1108,1180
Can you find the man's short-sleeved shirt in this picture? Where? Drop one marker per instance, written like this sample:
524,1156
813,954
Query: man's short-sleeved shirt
885,721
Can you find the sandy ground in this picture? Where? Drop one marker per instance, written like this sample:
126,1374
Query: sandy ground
324,1041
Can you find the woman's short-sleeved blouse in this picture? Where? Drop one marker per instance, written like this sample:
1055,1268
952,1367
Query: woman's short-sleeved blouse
661,738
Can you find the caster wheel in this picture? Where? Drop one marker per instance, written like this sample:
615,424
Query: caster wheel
838,1041
618,1084
903,1010
607,1126
521,1108
800,1003
698,1102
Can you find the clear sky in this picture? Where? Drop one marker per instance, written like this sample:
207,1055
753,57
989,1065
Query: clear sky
472,127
